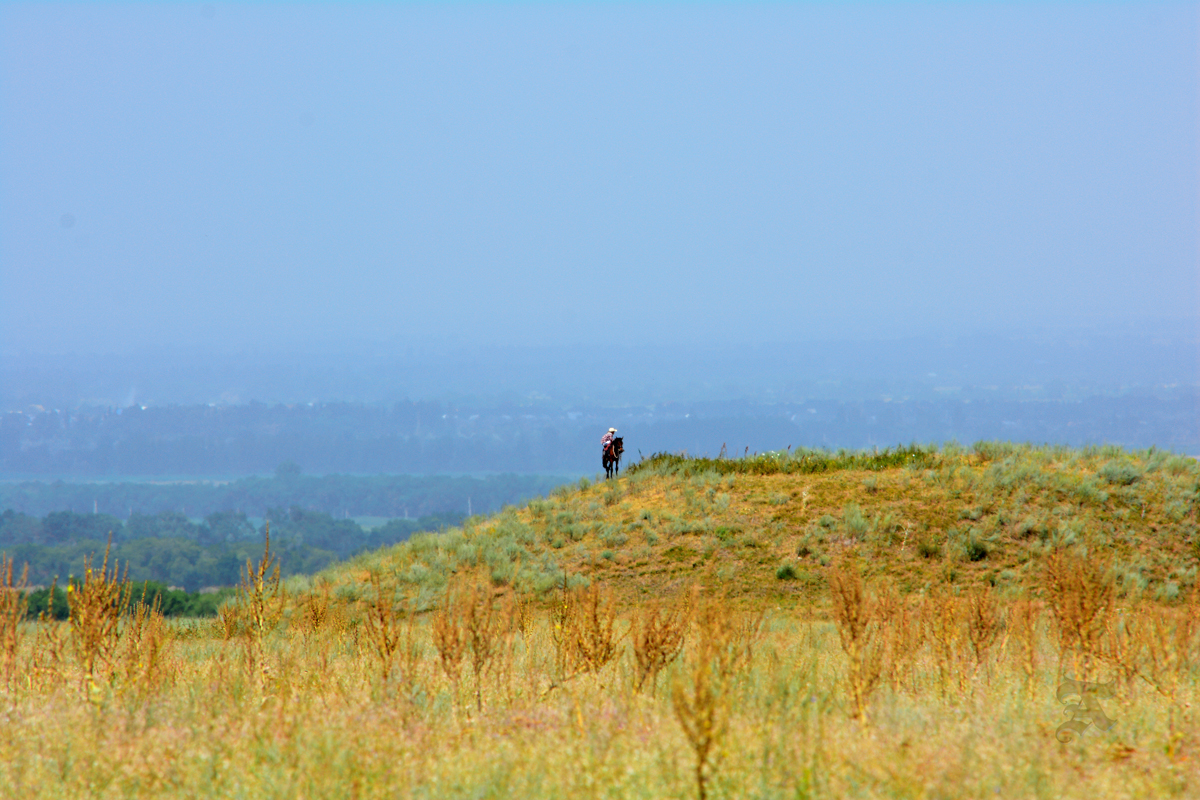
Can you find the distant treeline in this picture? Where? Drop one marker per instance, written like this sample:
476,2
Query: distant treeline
170,548
171,602
338,495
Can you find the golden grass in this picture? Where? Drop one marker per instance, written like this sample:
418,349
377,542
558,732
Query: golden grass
755,707
634,640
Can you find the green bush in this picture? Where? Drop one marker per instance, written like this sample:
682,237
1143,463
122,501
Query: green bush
927,548
856,524
786,572
1121,472
974,548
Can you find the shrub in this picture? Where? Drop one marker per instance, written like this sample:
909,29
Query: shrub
786,572
928,548
614,538
993,451
974,548
856,524
1178,465
1031,526
1121,472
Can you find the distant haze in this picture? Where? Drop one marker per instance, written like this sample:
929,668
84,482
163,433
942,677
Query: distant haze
279,177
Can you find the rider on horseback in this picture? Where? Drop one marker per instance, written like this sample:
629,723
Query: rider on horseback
610,457
606,440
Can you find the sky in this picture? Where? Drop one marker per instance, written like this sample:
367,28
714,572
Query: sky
274,175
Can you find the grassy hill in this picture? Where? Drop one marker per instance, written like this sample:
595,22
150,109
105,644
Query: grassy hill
935,677
762,528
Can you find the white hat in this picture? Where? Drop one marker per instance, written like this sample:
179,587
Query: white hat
612,430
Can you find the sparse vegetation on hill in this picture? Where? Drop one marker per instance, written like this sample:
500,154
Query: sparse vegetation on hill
765,527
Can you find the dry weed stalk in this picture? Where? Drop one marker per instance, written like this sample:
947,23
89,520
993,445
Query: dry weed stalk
382,630
262,591
944,623
262,601
469,623
1168,639
46,664
12,612
1081,595
482,625
1123,644
591,637
315,609
701,696
96,605
1022,628
517,611
514,621
145,643
859,621
658,636
560,621
983,623
448,638
906,637
1168,645
410,648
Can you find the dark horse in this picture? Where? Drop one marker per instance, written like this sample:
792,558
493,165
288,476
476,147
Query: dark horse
612,457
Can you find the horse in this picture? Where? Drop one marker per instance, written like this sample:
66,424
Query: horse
612,458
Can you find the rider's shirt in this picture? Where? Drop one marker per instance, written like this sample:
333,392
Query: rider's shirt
605,441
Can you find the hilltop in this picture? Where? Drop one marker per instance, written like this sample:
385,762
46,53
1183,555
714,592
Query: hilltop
762,528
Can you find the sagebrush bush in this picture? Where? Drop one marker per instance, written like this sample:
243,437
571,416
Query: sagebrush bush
1121,472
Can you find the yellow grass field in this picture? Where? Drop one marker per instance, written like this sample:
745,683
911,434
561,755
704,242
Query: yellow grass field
696,629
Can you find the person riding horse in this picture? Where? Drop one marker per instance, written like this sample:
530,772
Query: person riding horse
611,449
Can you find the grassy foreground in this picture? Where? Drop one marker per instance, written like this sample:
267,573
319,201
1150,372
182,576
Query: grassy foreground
784,626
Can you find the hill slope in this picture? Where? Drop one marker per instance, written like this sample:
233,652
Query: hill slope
763,528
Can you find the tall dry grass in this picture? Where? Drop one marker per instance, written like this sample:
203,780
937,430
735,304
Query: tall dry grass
12,612
938,694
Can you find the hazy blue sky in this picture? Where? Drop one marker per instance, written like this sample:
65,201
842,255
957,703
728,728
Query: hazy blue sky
270,175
